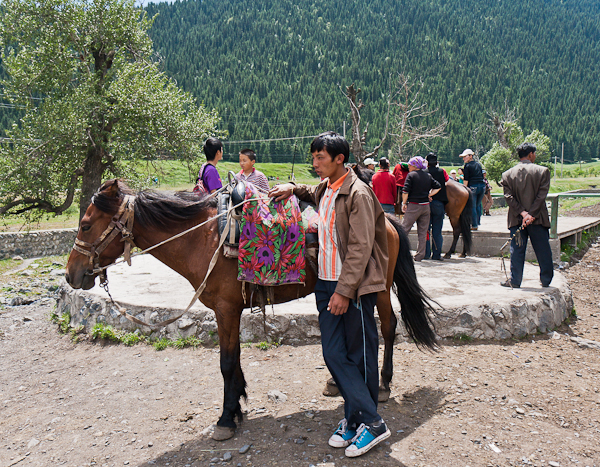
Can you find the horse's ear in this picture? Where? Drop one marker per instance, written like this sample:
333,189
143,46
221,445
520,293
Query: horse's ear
110,188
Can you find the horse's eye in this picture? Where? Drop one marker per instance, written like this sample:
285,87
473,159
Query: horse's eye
85,228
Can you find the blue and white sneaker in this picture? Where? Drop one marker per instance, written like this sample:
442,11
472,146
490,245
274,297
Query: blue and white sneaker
342,436
367,437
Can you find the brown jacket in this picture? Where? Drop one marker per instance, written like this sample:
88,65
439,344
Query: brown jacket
361,232
526,186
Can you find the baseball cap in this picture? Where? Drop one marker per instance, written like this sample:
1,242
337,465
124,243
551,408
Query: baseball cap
453,171
466,152
369,161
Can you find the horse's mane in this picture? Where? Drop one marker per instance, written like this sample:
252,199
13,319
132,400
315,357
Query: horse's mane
156,208
360,173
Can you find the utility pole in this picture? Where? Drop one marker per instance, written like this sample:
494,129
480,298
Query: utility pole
562,160
555,156
344,129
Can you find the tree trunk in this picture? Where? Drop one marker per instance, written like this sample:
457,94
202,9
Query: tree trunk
92,178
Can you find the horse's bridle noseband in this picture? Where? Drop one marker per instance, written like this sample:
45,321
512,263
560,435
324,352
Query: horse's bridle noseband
122,222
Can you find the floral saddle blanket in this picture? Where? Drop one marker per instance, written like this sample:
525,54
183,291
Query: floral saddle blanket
272,240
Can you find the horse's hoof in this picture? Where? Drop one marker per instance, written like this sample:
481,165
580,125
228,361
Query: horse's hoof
462,255
222,433
384,395
447,256
331,389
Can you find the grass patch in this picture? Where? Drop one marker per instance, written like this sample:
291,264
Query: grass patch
107,332
183,342
9,264
38,268
569,252
267,345
161,344
462,338
64,325
63,321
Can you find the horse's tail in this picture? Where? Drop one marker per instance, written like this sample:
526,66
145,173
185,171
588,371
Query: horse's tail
415,304
465,224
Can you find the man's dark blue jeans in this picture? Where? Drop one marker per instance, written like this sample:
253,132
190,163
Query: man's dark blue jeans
540,241
436,222
350,348
477,194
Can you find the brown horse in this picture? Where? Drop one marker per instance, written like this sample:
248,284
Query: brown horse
459,210
158,216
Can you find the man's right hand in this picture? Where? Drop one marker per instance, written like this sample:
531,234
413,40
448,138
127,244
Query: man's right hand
527,218
280,192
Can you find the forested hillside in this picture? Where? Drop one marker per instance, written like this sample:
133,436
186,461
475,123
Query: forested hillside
272,68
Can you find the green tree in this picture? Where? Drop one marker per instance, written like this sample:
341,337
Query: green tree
95,101
496,161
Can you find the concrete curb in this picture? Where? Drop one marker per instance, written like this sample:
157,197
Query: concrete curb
474,305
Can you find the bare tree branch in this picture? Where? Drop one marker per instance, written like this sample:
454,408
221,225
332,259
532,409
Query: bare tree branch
499,123
39,203
408,129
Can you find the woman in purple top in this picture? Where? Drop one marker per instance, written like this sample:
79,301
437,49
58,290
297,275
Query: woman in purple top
249,173
213,149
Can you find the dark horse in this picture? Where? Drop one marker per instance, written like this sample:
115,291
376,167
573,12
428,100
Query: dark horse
157,217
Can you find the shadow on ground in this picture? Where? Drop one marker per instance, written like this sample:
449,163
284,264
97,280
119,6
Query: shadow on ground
300,438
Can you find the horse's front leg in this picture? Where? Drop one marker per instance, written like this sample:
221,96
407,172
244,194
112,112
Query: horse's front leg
234,386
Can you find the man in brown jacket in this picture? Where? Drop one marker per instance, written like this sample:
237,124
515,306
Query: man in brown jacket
353,261
525,189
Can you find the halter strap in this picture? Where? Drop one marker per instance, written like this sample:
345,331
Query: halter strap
121,222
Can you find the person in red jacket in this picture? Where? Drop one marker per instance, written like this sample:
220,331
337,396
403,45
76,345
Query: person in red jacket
400,173
384,186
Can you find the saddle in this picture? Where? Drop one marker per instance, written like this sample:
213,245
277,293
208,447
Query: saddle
233,195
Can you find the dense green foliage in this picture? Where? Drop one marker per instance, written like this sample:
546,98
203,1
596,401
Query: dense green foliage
272,69
94,102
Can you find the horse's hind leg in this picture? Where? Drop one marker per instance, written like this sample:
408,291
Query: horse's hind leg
455,236
233,378
388,321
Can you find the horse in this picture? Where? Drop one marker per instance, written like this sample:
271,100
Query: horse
148,218
459,210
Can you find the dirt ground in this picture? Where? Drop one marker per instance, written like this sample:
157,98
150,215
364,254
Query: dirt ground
534,401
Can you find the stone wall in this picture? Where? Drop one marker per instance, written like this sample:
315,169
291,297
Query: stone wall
36,243
511,319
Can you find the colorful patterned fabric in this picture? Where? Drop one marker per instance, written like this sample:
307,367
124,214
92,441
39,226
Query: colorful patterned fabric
271,241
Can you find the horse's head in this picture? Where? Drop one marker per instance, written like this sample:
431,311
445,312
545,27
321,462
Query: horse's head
98,243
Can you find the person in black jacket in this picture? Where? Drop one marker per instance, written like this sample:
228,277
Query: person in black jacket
437,208
474,181
418,189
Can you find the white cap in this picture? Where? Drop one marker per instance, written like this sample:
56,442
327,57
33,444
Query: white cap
466,152
369,161
453,171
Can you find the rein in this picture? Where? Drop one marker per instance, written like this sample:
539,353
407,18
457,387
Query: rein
122,222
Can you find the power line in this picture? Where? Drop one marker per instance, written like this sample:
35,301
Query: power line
268,140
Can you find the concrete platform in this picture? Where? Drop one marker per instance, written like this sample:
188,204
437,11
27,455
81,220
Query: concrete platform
493,233
472,303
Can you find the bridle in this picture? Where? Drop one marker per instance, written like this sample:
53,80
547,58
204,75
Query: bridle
121,222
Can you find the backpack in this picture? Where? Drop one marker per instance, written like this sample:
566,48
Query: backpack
200,188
